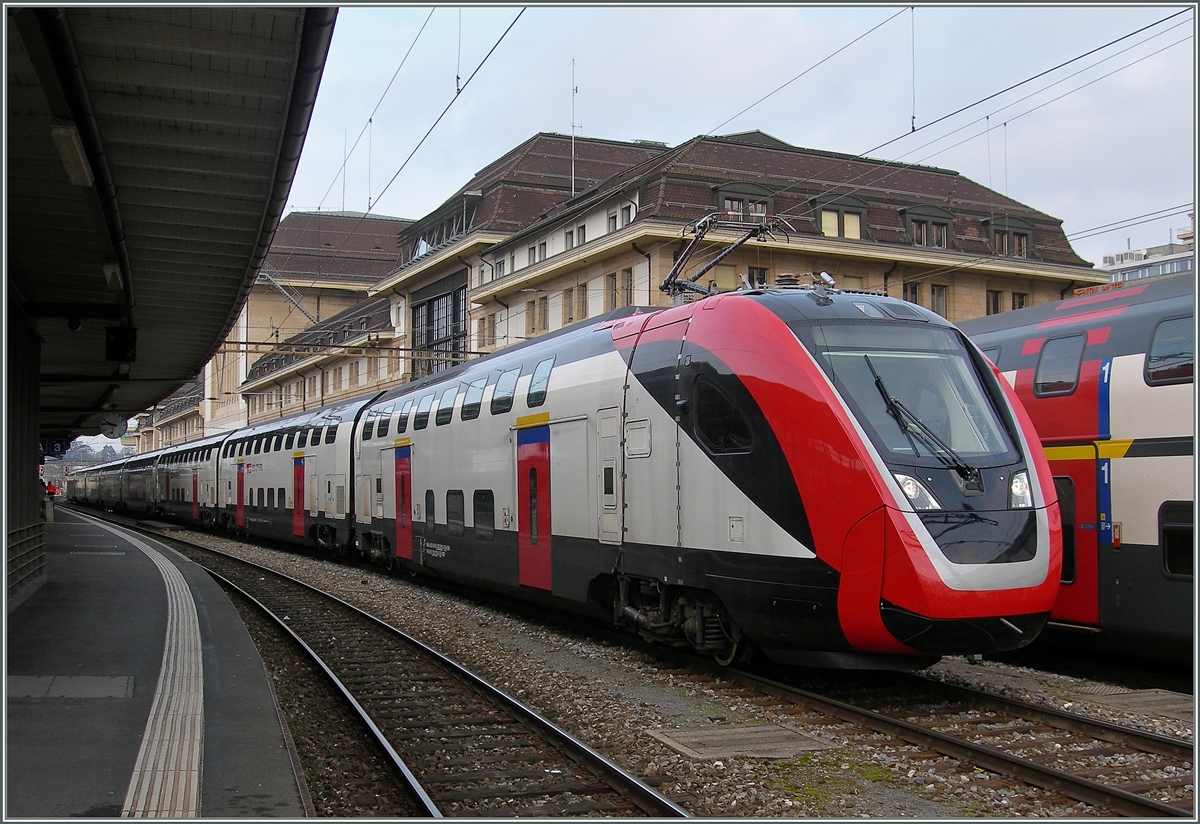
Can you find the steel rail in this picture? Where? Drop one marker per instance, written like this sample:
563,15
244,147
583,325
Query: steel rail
1095,727
644,797
1073,786
397,763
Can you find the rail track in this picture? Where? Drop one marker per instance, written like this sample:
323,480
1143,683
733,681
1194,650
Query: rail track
459,745
1117,769
1129,771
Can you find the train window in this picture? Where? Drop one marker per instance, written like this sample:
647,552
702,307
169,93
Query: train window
473,400
720,425
278,443
402,420
369,427
258,444
539,383
241,448
261,496
1058,366
302,439
226,450
422,418
456,512
291,437
281,499
506,387
1175,537
429,522
446,406
331,433
385,420
271,497
533,506
484,504
1065,487
1171,353
314,437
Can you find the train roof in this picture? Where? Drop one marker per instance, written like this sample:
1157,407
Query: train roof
1088,305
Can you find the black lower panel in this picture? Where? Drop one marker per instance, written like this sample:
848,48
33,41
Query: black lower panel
970,636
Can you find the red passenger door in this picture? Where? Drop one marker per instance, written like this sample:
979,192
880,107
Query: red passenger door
533,505
298,497
240,518
404,529
1074,469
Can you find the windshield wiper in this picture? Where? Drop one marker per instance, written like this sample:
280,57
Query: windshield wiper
893,406
909,422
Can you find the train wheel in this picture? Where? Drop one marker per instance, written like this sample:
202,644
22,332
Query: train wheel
389,560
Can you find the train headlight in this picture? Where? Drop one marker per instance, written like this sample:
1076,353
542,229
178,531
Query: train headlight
917,495
1020,495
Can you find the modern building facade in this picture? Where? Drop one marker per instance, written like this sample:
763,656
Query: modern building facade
1168,259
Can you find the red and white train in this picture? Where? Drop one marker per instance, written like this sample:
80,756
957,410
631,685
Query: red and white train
1106,377
830,478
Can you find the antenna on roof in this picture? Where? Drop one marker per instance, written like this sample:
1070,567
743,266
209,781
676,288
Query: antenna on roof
574,91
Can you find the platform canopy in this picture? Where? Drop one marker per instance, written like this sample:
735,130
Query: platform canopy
150,153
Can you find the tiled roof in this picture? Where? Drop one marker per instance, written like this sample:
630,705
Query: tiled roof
679,186
343,248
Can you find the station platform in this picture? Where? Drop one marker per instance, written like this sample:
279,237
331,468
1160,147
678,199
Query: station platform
133,689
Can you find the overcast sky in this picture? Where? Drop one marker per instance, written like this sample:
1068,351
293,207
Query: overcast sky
1110,149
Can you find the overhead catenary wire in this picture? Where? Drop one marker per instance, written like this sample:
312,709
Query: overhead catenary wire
902,166
806,71
379,103
863,155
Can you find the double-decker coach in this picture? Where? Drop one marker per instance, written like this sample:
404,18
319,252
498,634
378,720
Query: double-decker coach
1107,378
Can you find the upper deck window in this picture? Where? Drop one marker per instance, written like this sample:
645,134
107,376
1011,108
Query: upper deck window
1058,366
506,386
539,383
473,400
421,420
1171,353
402,419
446,406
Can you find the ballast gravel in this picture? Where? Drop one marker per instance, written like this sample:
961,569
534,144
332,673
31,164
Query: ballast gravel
611,697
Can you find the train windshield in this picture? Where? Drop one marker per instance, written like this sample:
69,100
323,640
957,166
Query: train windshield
916,392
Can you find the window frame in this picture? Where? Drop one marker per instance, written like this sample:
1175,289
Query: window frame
473,399
1038,392
539,383
1148,374
456,512
483,518
503,396
445,413
424,405
1166,522
702,386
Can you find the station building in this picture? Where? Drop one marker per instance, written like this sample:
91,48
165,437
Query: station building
514,254
319,265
